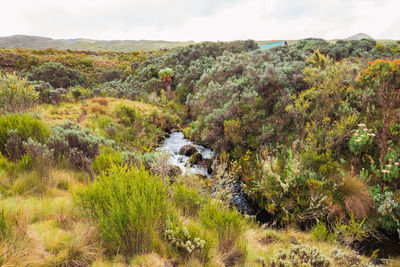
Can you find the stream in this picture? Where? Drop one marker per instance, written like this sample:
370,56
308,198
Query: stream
176,141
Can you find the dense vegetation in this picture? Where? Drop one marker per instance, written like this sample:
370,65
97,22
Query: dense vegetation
309,131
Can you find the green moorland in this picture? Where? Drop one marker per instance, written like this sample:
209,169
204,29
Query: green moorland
311,130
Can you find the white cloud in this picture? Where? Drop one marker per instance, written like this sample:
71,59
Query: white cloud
202,19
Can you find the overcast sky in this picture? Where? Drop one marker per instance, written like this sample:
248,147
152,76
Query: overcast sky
200,20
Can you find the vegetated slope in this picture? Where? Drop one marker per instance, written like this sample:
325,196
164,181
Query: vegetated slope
36,42
298,127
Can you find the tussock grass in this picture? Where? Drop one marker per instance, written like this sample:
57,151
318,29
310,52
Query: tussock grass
357,198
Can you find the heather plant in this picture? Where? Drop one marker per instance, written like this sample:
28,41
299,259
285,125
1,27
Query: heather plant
166,76
57,75
77,146
382,76
16,94
41,156
129,208
125,88
48,94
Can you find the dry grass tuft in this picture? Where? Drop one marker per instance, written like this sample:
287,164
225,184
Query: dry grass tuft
357,198
101,100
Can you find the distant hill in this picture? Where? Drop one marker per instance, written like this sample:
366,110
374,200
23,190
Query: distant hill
37,42
359,36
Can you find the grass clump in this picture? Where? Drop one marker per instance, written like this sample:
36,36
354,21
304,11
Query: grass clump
106,159
188,199
129,208
229,228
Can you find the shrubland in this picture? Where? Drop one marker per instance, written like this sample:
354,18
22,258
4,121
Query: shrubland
309,131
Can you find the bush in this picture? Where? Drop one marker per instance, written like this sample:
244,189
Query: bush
78,146
188,199
16,94
126,88
57,75
129,208
16,129
106,159
41,156
48,94
226,223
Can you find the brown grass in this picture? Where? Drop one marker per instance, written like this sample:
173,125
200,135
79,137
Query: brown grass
357,198
101,100
96,108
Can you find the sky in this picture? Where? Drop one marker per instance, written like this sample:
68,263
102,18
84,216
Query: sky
213,20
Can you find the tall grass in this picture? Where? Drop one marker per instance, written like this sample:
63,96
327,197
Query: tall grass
128,207
188,199
357,198
227,224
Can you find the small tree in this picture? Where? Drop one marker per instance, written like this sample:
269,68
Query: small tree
16,94
166,76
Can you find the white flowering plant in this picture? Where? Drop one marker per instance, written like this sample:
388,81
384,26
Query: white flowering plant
183,240
362,139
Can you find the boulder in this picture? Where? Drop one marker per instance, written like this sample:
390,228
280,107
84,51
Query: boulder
187,150
174,171
206,163
196,158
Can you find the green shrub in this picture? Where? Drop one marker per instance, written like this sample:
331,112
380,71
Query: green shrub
107,158
350,232
20,128
129,208
127,116
78,146
188,199
48,94
16,94
321,233
41,156
226,223
57,75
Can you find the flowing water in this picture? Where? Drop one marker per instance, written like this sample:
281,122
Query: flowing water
174,142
